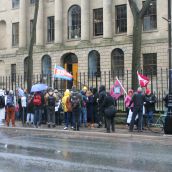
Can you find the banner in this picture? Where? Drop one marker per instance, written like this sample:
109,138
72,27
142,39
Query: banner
117,89
61,73
143,80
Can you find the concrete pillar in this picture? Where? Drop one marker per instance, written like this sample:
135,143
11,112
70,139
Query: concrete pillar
22,24
129,20
40,24
85,20
58,21
107,19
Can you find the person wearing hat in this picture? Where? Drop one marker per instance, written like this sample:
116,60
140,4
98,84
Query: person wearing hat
150,101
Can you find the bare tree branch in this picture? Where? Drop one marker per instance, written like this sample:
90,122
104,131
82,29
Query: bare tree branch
145,7
134,8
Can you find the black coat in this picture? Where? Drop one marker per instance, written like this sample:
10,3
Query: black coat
150,101
108,101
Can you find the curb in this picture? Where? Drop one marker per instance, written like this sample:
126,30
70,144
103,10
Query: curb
82,134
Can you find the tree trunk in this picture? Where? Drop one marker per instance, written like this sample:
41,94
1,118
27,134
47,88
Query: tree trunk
138,16
30,54
136,55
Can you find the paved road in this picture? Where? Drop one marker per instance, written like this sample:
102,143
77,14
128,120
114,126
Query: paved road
27,150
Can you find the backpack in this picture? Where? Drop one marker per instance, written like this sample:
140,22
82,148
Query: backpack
2,102
75,100
10,100
51,100
37,100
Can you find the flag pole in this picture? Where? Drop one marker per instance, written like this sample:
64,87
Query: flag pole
121,85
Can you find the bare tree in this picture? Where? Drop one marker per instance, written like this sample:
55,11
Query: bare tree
138,16
30,53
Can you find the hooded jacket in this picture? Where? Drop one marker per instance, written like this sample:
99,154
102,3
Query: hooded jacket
102,95
64,100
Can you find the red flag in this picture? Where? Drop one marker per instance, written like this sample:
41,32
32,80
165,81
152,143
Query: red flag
143,80
117,89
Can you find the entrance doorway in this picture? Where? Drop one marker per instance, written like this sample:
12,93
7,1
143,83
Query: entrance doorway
70,63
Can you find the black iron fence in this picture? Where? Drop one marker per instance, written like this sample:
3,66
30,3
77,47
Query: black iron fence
158,83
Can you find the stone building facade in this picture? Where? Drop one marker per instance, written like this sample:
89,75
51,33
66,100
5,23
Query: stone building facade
81,35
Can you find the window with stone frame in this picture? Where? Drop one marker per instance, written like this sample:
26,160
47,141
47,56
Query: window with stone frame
150,64
150,17
15,3
94,63
50,29
117,63
121,18
98,22
15,34
74,22
46,69
13,72
32,1
31,26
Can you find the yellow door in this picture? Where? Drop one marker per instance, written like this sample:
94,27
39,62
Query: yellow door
75,74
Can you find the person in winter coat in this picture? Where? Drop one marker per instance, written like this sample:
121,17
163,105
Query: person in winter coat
95,104
102,95
83,115
66,108
138,100
76,101
109,105
38,101
30,111
10,108
150,101
50,100
90,116
127,101
2,107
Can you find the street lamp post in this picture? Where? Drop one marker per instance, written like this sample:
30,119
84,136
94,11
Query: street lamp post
168,119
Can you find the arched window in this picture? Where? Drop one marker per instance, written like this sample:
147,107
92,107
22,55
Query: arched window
25,68
117,62
3,34
74,22
94,63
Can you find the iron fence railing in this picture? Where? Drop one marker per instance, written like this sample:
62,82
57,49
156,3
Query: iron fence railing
158,83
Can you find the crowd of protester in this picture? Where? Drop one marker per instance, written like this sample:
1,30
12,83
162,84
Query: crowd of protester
74,108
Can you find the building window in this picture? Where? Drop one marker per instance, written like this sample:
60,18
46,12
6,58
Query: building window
74,22
13,72
94,63
25,68
15,3
46,69
121,19
150,64
31,26
15,34
50,26
150,18
46,65
98,22
117,62
32,1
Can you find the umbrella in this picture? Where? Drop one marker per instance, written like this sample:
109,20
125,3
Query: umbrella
38,87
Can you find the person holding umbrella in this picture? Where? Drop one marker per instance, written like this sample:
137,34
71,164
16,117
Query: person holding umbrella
38,101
